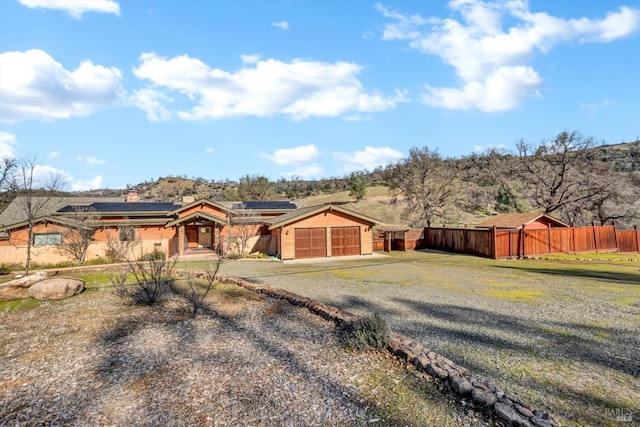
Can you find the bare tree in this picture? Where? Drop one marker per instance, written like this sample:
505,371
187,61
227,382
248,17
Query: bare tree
561,175
121,243
241,229
34,185
498,168
80,228
7,167
427,184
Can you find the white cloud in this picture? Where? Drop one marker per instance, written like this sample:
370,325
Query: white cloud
43,176
484,148
404,26
91,160
75,8
250,59
35,86
491,61
210,150
283,25
503,90
92,184
54,154
7,144
300,89
594,108
293,156
151,102
369,158
94,161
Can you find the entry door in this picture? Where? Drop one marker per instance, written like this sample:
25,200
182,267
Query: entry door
311,243
345,241
204,237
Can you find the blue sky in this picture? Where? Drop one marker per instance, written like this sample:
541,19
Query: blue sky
116,92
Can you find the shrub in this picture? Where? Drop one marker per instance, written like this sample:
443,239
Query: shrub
95,261
192,297
152,282
366,333
156,255
6,268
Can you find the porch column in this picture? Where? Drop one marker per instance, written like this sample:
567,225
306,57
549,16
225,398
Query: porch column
181,237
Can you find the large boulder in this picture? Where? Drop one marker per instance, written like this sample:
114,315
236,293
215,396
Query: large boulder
19,288
56,288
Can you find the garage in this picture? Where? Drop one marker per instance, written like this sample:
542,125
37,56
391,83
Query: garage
345,241
324,231
311,242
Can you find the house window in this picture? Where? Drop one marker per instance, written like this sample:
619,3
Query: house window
127,233
47,239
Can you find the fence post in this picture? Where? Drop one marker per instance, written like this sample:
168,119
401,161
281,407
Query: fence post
573,237
524,239
495,248
615,236
443,236
595,237
464,239
635,227
549,237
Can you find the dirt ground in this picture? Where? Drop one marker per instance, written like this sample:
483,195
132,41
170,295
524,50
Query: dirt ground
247,360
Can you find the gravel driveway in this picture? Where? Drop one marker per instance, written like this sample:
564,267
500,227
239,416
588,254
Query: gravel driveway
565,336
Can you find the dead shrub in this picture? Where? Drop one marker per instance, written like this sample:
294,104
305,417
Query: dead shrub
152,281
365,333
191,299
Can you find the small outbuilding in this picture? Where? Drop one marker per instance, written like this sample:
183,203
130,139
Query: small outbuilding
517,221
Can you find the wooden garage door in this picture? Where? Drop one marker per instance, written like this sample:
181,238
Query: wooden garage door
311,242
345,241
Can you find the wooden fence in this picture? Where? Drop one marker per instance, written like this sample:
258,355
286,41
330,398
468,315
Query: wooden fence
500,243
399,240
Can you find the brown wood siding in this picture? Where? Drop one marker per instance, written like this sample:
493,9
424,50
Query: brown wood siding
326,219
310,242
345,241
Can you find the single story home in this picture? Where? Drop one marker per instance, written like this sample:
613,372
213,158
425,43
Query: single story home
517,221
277,228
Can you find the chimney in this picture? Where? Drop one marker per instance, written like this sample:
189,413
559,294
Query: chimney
133,196
188,199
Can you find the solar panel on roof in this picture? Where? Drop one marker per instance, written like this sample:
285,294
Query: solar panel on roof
123,207
72,208
272,204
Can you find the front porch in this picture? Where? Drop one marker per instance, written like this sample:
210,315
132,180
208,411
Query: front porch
196,254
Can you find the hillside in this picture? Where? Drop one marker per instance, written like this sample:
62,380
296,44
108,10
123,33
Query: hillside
478,194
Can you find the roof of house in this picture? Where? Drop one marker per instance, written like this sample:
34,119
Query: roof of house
303,213
197,216
14,213
516,220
